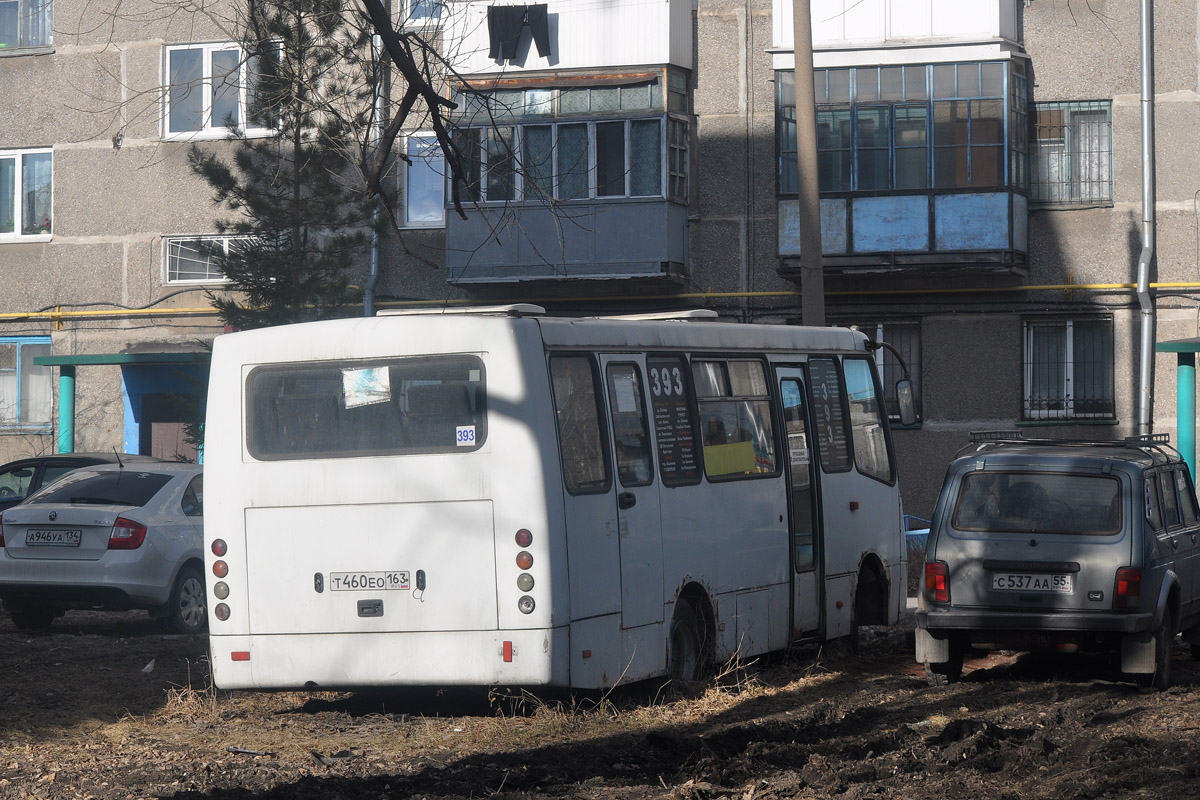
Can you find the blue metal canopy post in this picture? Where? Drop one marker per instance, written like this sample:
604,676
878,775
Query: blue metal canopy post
66,408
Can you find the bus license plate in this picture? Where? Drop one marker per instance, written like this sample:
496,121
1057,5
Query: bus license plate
1032,582
39,538
368,581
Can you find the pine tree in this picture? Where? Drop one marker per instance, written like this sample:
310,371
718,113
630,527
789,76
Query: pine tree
298,206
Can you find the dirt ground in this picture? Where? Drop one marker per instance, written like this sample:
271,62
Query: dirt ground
108,706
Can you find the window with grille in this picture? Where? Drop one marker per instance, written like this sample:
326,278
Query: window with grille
905,336
1072,154
1068,366
190,258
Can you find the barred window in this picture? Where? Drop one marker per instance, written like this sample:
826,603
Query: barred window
905,336
1072,154
190,258
1068,366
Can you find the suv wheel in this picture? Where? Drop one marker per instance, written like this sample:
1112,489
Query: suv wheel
1160,679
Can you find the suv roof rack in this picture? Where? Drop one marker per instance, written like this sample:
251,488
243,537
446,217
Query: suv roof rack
1156,445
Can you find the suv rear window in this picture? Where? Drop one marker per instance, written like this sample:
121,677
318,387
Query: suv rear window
1038,502
123,488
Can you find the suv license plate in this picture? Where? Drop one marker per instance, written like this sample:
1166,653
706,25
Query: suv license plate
39,538
1032,582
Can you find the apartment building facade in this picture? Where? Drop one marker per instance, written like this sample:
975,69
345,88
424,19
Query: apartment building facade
979,164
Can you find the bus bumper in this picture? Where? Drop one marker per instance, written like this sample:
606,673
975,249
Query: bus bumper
356,660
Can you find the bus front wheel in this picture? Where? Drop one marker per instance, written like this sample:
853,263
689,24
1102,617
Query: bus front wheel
686,644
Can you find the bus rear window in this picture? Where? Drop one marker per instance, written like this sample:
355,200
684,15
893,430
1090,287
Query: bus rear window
342,410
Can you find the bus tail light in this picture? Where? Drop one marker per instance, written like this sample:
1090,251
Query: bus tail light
937,585
219,548
1129,588
126,535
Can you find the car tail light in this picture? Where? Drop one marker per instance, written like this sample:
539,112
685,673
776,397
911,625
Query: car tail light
126,535
1129,588
937,585
1,530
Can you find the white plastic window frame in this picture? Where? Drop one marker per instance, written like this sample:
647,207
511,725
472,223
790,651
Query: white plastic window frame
428,139
17,200
208,130
167,241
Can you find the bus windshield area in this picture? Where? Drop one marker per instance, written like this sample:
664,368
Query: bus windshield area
338,410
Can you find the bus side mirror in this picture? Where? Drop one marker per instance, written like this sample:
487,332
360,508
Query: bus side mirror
908,405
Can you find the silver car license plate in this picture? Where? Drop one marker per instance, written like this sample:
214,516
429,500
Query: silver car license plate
1063,583
58,538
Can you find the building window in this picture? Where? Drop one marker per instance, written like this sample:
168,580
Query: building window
1072,156
26,194
905,336
26,23
575,160
25,388
907,127
424,182
206,91
190,259
425,12
1068,366
573,144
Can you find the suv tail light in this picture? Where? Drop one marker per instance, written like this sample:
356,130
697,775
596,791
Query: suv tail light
1129,588
937,584
126,535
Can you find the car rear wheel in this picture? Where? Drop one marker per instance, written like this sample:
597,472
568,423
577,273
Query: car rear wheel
187,610
1160,679
32,619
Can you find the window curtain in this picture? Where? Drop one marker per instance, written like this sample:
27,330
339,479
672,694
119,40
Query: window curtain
37,386
40,16
36,185
1089,155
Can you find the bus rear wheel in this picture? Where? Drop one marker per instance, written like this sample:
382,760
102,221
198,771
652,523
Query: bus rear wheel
686,649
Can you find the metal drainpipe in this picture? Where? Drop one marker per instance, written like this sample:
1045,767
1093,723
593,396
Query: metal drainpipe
1145,411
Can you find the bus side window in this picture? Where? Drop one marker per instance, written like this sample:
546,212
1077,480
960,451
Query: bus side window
866,420
580,436
628,410
735,411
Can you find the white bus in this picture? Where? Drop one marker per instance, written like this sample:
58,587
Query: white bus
507,498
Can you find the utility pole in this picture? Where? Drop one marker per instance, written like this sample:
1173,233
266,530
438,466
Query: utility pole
812,269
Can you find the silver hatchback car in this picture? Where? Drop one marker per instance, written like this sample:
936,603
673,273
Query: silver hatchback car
1062,546
112,537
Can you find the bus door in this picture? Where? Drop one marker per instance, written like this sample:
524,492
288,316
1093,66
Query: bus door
804,504
639,523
